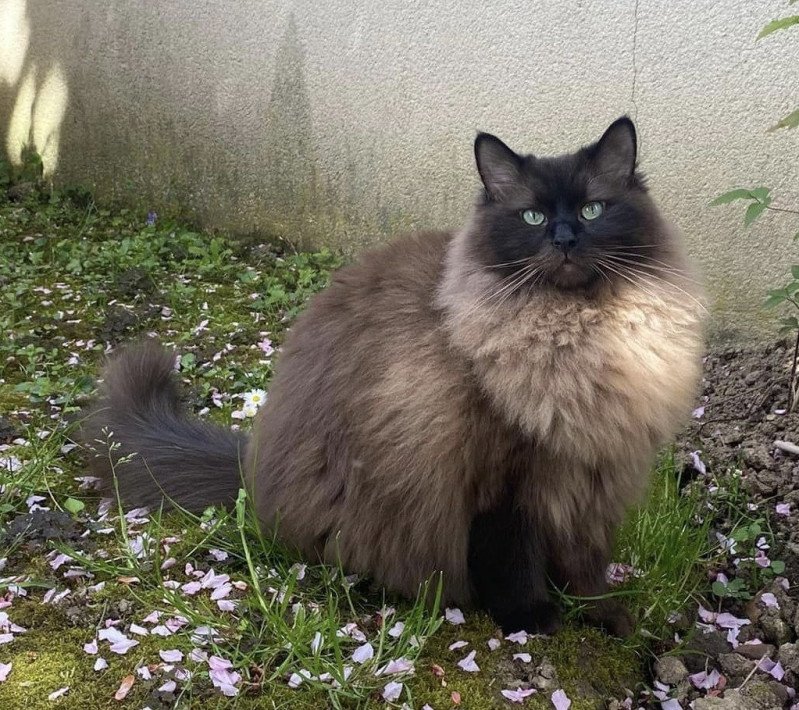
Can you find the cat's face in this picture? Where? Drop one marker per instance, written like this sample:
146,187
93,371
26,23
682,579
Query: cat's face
570,221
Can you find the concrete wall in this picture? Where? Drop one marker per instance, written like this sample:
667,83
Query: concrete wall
343,122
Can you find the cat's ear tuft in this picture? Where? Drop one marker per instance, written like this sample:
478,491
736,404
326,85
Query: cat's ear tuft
499,167
616,151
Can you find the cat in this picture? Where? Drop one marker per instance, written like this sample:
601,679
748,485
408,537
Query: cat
483,403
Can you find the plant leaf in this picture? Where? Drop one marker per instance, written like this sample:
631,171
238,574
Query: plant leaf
753,212
731,196
795,271
778,566
73,505
719,589
761,194
789,121
782,24
775,298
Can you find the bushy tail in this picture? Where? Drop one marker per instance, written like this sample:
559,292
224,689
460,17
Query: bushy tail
139,435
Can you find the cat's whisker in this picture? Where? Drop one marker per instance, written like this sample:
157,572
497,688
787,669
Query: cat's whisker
531,274
644,262
632,280
492,292
653,280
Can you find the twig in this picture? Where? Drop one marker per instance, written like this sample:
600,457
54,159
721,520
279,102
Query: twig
787,447
751,673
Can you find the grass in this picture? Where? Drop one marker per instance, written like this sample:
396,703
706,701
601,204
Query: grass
75,278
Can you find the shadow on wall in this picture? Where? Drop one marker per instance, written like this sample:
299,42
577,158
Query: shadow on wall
207,124
33,90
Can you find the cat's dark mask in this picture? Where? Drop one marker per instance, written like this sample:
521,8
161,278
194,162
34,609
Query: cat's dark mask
570,220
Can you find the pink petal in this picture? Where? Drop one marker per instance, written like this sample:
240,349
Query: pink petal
467,664
216,663
168,687
523,657
671,704
769,600
560,701
396,630
519,637
191,588
458,644
5,669
363,653
494,644
100,664
392,691
454,616
171,656
518,696
226,605
58,693
400,665
783,509
91,647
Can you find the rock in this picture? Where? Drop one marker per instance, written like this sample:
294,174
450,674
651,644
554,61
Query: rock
764,695
789,657
702,647
732,700
8,431
775,629
546,677
752,377
670,670
755,651
758,457
732,438
735,666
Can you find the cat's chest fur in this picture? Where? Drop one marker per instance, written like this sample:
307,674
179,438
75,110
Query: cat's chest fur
598,385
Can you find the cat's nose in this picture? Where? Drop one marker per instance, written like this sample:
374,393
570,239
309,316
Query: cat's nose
564,238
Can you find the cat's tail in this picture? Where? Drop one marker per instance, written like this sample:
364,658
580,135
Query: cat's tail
145,446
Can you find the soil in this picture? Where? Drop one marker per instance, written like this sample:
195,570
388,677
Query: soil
745,395
743,410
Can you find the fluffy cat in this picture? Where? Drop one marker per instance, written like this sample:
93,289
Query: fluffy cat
485,403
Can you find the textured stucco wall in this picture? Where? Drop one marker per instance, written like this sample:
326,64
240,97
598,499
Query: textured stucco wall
343,121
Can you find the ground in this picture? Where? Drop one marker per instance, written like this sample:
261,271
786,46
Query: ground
101,607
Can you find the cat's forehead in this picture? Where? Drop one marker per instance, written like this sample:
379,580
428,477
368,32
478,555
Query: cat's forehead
566,178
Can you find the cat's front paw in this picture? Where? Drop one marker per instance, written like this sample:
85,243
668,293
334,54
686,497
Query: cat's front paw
611,616
536,618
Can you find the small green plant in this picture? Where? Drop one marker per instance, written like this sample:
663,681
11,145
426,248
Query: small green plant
759,200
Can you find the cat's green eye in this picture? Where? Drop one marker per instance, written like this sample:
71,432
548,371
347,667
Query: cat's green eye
592,210
534,217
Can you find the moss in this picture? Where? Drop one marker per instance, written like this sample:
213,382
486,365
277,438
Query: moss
590,667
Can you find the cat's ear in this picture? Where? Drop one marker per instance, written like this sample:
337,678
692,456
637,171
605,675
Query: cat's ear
499,167
616,151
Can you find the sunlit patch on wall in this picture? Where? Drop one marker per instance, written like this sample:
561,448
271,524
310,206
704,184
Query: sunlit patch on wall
37,116
15,35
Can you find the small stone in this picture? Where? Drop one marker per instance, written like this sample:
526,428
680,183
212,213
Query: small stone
755,651
546,677
733,438
789,657
735,666
670,670
765,695
732,700
703,646
775,629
